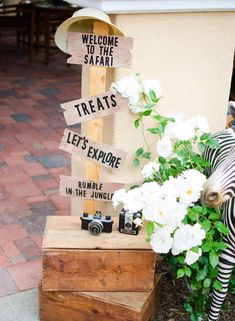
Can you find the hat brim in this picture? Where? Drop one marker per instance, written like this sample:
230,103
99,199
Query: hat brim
79,24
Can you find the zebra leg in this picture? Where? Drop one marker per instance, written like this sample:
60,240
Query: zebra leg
226,263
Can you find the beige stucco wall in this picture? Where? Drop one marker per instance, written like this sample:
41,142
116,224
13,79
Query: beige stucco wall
192,55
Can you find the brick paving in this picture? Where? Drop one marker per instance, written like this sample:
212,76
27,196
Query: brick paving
31,127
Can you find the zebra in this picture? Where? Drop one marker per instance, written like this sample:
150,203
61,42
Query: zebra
218,190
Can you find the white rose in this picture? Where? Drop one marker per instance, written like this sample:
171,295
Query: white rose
192,257
171,187
118,197
154,85
149,169
161,240
183,131
151,192
128,87
164,147
195,177
133,200
200,122
186,237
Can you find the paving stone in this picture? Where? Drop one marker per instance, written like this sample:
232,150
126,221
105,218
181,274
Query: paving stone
52,161
34,223
49,91
43,208
28,249
26,275
22,117
30,158
8,285
2,164
44,177
8,219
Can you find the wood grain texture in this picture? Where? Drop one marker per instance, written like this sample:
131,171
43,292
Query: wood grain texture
98,306
98,270
92,150
115,56
86,109
88,189
64,232
94,128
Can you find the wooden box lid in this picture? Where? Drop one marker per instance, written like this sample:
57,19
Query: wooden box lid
64,232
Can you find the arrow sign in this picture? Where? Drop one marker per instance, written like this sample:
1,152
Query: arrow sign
105,104
99,50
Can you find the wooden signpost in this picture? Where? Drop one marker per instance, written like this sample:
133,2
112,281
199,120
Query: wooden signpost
101,105
100,153
76,187
110,276
99,50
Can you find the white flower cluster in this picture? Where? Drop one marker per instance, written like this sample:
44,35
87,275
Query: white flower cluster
181,130
166,205
135,90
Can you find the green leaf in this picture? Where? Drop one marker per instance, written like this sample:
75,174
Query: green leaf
150,229
214,216
221,228
201,274
187,271
154,130
136,162
206,225
220,245
193,215
213,258
217,285
181,259
205,136
139,151
188,307
212,143
180,273
207,283
206,247
201,147
147,112
147,155
136,123
153,96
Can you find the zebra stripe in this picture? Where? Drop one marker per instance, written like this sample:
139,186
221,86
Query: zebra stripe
220,159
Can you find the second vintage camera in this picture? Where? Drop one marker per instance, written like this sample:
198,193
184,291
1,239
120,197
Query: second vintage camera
97,223
126,222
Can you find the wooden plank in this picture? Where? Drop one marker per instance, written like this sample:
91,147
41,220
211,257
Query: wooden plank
98,270
64,232
101,105
94,151
94,128
98,306
88,189
99,50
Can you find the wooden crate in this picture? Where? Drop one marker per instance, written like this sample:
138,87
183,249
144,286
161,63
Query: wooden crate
98,306
75,260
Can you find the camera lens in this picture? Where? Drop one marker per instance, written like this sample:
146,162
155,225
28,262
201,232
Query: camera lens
128,225
95,227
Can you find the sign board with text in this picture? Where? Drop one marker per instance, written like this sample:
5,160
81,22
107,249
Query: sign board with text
91,150
99,50
89,189
105,104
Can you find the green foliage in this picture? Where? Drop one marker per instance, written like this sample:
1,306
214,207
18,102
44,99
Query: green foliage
202,274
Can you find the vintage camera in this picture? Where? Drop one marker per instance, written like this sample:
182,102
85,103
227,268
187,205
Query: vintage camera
126,222
97,223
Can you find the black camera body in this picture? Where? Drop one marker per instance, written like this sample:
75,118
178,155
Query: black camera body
97,223
126,222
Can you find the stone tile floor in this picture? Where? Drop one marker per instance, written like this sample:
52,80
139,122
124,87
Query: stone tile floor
31,127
